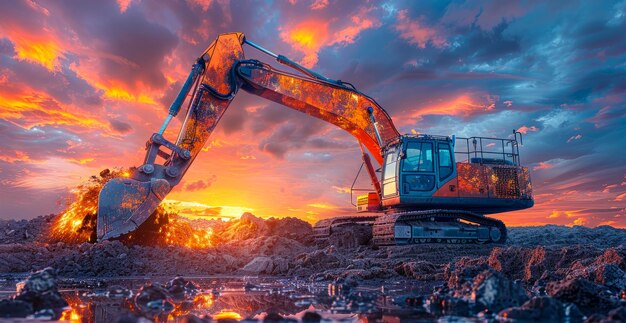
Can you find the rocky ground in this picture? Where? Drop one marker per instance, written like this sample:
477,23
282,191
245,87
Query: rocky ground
548,272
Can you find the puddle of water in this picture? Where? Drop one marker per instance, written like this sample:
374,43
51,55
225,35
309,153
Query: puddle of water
249,298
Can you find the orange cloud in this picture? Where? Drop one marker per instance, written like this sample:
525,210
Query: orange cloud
33,108
543,165
34,43
349,33
42,52
322,206
525,129
580,221
112,89
342,190
202,4
309,36
15,156
464,105
123,4
47,48
81,161
417,33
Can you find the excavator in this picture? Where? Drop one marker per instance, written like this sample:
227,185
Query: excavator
426,188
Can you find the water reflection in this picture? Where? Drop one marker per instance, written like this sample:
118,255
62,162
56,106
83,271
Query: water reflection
234,299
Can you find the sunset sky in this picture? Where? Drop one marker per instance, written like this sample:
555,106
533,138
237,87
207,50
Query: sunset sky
83,84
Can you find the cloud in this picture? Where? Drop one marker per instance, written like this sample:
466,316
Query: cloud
543,165
463,104
485,14
319,4
322,206
608,115
311,35
201,184
575,137
120,126
525,129
123,5
580,221
417,32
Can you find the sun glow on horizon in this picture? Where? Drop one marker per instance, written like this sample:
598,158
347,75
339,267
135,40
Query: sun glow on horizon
197,210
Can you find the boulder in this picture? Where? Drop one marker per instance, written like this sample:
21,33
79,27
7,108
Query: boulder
420,269
153,300
266,265
460,275
492,291
589,297
611,276
544,309
40,291
180,289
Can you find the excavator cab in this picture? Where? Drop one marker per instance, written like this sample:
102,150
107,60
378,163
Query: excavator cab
478,174
416,167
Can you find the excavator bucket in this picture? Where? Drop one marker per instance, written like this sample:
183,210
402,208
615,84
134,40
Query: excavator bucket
125,203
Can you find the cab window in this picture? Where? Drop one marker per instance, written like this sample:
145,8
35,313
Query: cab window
389,173
390,165
419,157
445,161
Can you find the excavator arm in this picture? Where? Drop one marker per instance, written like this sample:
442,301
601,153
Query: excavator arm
216,77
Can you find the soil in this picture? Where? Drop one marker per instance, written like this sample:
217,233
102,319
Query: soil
541,273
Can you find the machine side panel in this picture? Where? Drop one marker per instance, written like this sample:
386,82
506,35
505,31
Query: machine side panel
472,180
526,188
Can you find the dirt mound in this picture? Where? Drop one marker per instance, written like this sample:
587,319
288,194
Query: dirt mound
557,235
250,227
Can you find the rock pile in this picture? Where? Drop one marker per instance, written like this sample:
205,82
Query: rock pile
37,297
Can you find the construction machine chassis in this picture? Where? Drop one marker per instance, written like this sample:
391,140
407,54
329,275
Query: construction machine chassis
400,227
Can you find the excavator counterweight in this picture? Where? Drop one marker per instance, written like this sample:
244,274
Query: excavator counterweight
423,191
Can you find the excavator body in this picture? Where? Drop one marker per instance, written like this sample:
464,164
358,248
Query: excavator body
427,189
437,189
422,172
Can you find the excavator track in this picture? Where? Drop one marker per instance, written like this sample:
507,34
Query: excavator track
437,226
415,227
323,228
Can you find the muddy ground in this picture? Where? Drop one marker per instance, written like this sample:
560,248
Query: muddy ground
537,270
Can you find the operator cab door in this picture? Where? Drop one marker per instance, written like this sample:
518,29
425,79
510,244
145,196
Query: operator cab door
418,169
445,163
426,165
390,171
